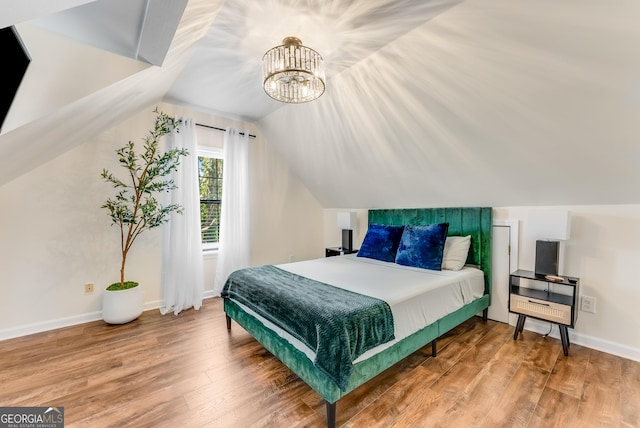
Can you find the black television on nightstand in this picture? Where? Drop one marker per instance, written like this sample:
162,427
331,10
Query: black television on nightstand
15,60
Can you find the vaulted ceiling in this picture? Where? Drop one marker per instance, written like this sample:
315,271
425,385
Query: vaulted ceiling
479,102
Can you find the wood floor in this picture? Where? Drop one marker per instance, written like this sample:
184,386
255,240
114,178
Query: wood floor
188,371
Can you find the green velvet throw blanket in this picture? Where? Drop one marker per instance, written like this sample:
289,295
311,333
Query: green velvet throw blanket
339,325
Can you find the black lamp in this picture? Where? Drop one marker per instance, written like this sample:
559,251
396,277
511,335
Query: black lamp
553,226
347,221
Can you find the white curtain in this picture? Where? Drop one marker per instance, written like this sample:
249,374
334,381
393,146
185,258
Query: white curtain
233,252
182,270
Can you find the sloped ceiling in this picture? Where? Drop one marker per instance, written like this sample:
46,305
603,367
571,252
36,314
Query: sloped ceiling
483,102
26,10
224,74
139,29
82,98
492,103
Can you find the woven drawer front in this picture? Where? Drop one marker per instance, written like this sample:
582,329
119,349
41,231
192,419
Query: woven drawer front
550,311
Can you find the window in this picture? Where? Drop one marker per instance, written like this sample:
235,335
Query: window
210,178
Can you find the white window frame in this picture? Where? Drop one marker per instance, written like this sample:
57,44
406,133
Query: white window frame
218,153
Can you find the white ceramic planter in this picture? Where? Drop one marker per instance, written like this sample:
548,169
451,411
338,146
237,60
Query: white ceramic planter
122,306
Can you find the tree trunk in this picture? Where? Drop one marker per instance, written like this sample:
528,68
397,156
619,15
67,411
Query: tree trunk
124,259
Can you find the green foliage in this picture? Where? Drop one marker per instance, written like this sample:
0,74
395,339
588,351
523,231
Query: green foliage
118,286
210,172
135,207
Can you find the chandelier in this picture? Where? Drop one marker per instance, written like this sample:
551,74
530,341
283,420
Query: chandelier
292,73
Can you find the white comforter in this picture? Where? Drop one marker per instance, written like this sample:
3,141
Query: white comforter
417,297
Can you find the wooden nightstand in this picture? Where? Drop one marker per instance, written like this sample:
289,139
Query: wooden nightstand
532,295
337,251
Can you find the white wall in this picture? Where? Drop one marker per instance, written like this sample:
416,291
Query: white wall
54,237
333,234
603,252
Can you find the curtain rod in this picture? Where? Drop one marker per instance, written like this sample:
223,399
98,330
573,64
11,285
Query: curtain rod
221,129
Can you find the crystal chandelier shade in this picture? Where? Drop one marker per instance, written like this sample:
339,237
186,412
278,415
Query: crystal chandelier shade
293,73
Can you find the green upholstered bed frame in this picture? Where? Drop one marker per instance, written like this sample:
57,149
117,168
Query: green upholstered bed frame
473,221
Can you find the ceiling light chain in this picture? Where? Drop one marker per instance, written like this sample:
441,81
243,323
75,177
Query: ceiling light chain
293,73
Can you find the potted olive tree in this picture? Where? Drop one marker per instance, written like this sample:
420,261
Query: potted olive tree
135,208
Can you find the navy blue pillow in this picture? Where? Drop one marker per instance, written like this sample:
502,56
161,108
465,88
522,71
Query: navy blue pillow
423,246
381,242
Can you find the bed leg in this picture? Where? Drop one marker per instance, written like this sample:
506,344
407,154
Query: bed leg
331,414
485,314
433,348
228,322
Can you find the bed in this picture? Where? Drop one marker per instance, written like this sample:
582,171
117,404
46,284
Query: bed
388,324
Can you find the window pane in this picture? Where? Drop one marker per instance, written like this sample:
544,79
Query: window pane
210,176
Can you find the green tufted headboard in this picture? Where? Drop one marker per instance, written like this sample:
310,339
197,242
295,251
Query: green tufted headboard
474,221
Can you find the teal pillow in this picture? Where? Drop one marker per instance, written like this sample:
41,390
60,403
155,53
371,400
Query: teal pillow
422,246
381,242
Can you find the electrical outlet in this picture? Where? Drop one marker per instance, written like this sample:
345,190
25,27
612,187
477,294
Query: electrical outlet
88,288
588,304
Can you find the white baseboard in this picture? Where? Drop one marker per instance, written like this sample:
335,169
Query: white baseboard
25,330
613,348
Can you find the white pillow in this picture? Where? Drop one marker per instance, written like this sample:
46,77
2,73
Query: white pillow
456,249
